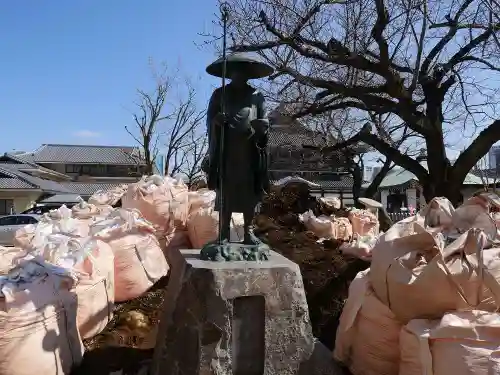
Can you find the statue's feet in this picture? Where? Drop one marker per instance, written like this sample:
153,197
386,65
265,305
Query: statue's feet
251,239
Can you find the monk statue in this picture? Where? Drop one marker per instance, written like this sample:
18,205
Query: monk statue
242,178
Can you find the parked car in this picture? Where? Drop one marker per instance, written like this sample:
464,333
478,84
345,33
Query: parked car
11,223
41,209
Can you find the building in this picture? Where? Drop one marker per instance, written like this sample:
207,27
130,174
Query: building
400,189
288,157
62,173
370,172
494,157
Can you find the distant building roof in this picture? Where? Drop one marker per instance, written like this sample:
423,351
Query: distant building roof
400,176
83,154
62,198
87,189
13,178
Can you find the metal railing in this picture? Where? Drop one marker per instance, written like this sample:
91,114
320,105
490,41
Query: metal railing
397,216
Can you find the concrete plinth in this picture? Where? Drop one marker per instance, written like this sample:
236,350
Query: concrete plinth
234,318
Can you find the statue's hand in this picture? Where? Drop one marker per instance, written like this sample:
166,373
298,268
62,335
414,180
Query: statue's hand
260,126
218,119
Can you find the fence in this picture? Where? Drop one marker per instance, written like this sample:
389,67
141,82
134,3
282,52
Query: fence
397,216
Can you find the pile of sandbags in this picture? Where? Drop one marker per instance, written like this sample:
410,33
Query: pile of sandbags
428,304
66,272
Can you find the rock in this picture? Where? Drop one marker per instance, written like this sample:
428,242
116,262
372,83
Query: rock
233,318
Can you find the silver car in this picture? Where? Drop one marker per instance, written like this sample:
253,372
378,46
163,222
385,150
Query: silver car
11,223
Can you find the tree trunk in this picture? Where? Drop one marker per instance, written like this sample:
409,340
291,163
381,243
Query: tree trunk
447,189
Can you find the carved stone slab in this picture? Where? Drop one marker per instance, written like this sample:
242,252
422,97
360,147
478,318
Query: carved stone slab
241,318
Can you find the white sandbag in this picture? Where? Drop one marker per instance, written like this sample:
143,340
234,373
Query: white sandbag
90,212
139,260
38,332
321,226
367,338
92,261
203,227
108,197
474,213
438,213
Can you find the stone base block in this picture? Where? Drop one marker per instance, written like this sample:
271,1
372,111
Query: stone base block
240,318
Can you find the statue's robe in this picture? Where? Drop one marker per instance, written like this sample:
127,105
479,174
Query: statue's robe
245,148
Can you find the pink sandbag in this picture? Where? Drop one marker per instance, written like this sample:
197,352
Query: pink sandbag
438,213
139,261
95,289
461,343
342,228
38,332
367,339
363,222
177,240
203,227
426,279
162,201
108,197
202,198
474,213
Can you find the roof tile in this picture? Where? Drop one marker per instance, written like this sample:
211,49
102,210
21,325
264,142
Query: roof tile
79,154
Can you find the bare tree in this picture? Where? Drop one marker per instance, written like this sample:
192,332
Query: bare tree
165,118
427,63
150,108
489,177
185,120
195,153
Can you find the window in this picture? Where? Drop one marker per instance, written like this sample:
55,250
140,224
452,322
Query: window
25,220
6,206
9,220
72,168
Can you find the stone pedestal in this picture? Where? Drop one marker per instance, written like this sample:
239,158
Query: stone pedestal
234,318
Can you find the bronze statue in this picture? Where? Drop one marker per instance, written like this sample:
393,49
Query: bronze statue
241,179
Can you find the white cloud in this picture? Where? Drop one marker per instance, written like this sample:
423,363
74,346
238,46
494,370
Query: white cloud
86,134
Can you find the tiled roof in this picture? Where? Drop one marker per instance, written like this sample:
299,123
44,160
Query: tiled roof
87,189
13,183
399,177
62,198
89,154
283,136
344,183
46,186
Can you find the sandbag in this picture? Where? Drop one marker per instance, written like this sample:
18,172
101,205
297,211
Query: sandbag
364,223
95,289
202,198
438,213
10,257
108,197
139,261
177,240
341,228
321,226
90,212
203,227
162,201
359,248
461,343
367,339
55,221
92,261
332,203
474,213
426,279
38,332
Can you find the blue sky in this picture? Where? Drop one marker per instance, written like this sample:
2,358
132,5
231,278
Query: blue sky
70,69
